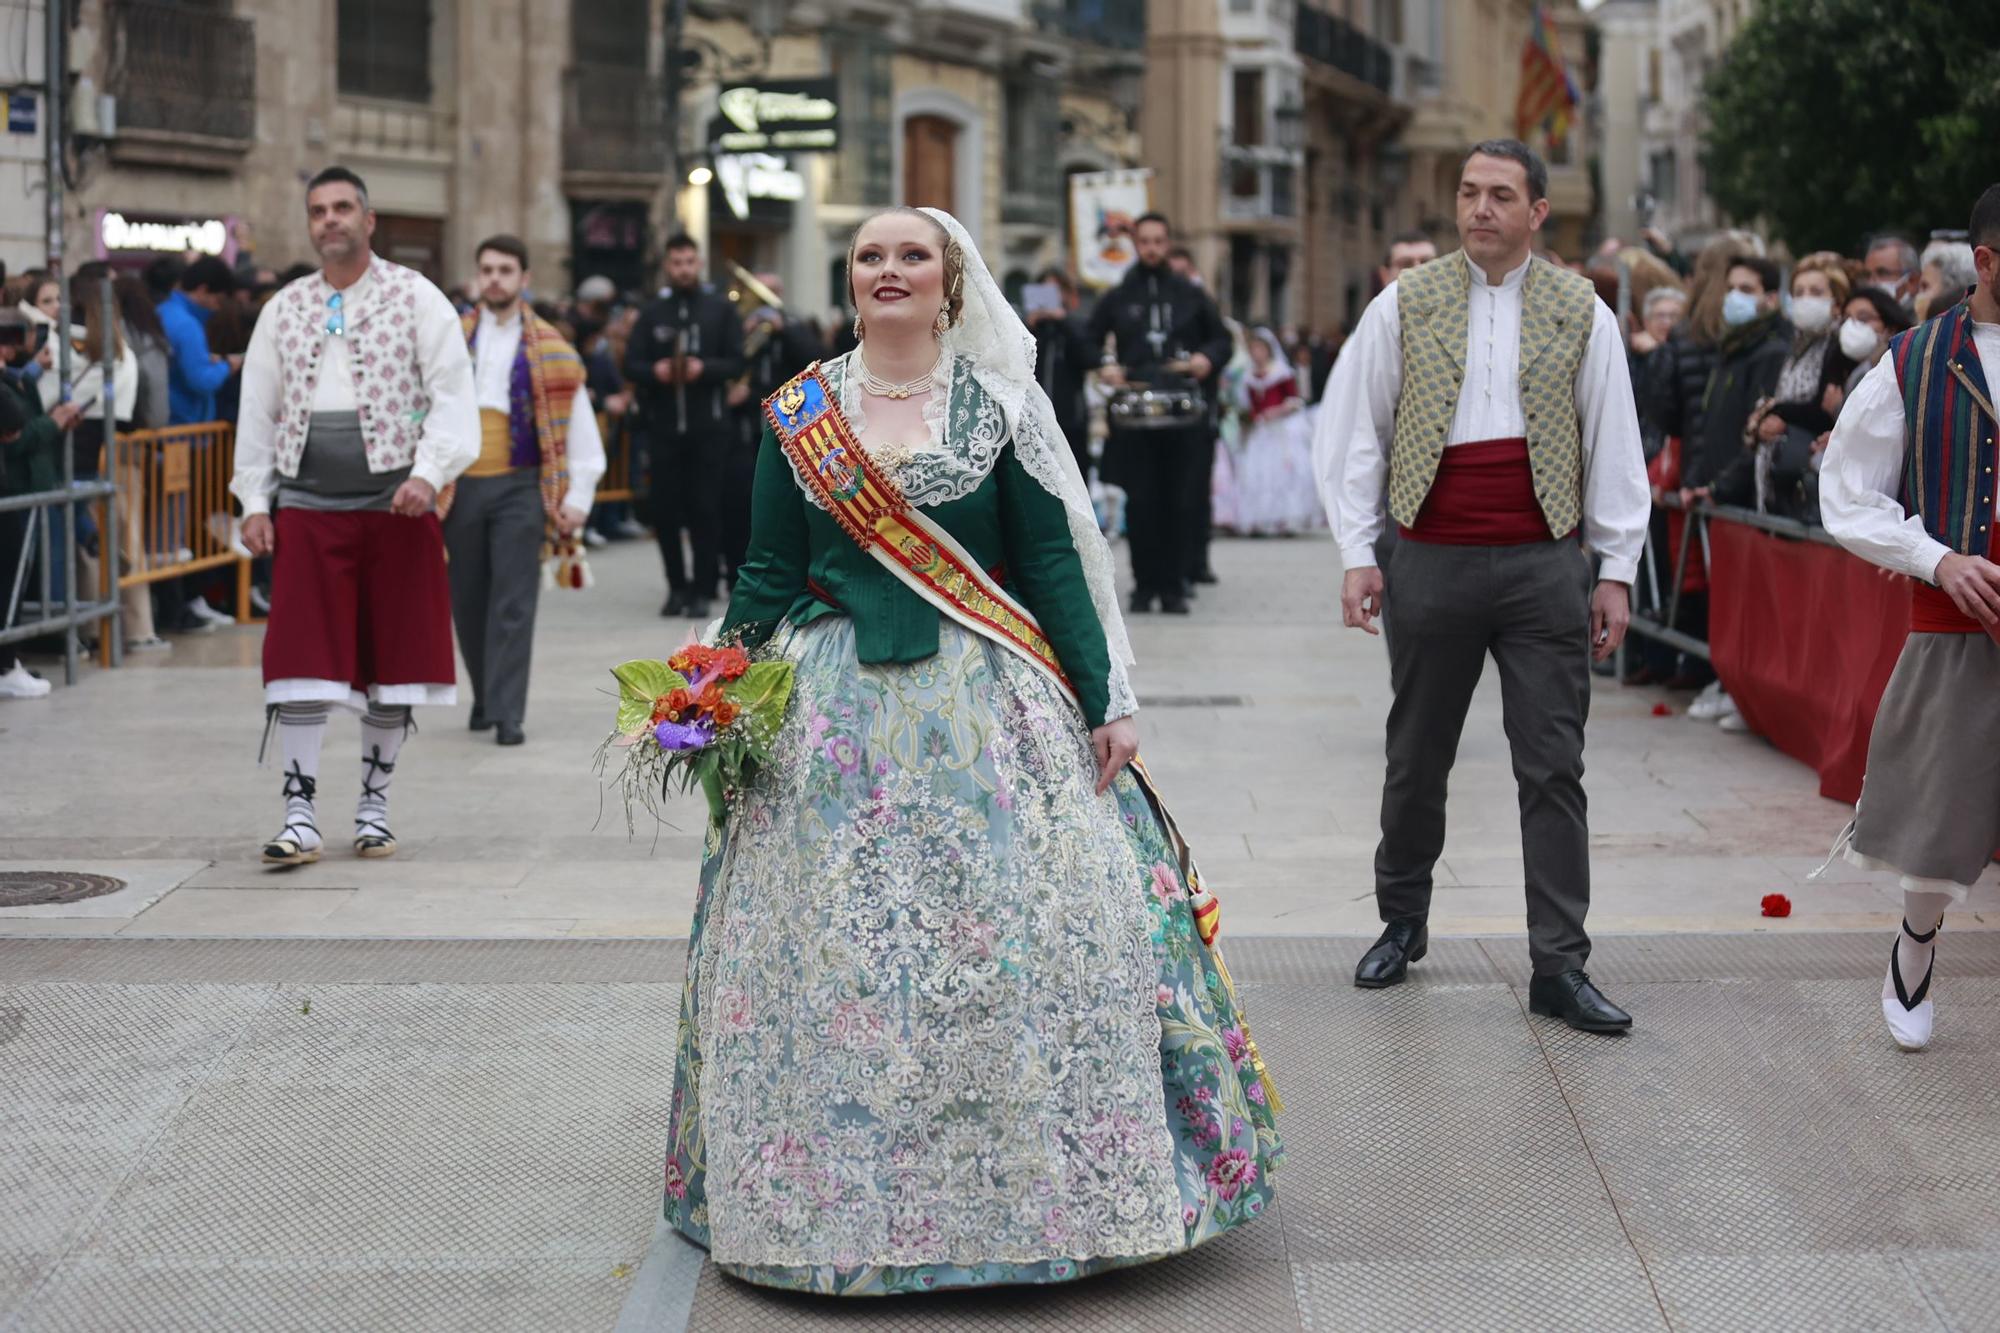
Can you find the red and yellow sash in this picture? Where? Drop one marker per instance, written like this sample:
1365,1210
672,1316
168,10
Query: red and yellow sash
828,458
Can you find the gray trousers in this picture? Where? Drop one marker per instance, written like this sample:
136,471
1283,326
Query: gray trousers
1529,606
494,537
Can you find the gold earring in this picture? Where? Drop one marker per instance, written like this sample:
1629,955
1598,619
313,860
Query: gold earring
859,331
942,322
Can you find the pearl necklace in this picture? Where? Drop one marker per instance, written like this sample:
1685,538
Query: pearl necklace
875,385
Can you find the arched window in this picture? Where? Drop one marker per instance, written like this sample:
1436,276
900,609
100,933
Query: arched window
930,162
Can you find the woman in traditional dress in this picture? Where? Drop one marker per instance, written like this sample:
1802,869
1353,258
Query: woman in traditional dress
948,1021
1274,474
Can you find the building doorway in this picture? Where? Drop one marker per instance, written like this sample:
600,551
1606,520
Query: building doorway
930,162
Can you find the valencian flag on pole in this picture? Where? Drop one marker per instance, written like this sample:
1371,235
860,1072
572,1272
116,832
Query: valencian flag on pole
1547,95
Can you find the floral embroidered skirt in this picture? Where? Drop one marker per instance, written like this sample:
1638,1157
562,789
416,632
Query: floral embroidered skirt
947,1021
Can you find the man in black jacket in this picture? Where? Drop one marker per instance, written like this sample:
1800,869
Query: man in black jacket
1159,320
776,347
683,352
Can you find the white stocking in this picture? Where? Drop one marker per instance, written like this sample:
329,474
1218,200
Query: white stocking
382,730
1923,913
301,730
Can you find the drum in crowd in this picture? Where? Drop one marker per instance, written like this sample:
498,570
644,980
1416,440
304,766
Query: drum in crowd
1171,401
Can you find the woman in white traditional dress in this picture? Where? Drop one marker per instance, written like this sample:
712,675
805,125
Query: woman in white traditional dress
949,1021
1274,473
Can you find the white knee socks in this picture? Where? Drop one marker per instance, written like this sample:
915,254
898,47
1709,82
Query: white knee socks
382,732
301,730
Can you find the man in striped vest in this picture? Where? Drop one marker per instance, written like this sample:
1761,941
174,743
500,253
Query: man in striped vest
528,492
1489,391
1908,483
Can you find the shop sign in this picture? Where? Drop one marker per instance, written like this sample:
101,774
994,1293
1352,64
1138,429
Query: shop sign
747,180
779,116
117,232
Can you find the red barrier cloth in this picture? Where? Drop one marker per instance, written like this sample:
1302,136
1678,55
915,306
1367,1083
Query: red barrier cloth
1484,495
1805,637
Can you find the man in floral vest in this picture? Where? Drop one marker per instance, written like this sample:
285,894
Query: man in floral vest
357,410
522,503
1908,483
1489,392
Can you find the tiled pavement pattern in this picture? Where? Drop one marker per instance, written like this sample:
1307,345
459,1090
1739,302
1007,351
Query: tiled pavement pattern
439,1135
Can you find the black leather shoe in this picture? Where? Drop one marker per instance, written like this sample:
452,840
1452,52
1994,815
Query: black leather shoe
1406,940
508,733
1206,576
696,608
1141,603
1573,998
676,603
1174,604
480,722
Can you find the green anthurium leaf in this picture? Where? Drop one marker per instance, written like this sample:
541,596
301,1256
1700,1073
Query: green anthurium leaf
633,714
646,679
763,690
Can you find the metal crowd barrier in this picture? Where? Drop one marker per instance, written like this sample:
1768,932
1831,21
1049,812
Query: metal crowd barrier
173,486
65,615
1662,628
618,443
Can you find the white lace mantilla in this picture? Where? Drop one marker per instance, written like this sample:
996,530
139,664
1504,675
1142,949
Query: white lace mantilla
967,432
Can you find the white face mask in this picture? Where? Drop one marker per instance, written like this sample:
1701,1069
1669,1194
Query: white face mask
1858,341
1812,314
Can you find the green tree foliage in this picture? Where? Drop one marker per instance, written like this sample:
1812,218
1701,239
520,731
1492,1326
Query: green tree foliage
1832,119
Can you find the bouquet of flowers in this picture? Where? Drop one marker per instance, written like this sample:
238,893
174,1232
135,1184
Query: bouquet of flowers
704,717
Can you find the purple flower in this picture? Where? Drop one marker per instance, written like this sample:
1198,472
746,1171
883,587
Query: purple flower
679,736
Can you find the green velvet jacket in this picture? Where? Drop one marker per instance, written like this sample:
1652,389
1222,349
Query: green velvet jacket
801,566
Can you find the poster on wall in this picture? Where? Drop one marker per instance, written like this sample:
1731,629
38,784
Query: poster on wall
1102,208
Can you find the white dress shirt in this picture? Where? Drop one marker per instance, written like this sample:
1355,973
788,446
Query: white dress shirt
494,348
449,440
1357,420
1861,477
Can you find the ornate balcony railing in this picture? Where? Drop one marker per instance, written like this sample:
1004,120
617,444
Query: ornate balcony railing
178,70
614,121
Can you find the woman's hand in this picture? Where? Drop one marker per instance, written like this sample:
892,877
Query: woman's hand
1116,743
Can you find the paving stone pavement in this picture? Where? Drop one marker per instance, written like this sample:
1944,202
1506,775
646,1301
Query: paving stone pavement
430,1093
444,1135
1280,791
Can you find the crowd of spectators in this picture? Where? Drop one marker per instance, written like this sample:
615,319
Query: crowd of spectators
1741,360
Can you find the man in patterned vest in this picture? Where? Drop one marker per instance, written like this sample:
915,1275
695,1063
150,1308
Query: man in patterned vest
1490,392
357,410
524,500
1908,483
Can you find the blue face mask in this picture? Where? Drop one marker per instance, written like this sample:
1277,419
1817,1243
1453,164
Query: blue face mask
1739,308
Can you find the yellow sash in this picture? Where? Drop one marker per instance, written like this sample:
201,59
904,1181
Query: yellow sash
829,459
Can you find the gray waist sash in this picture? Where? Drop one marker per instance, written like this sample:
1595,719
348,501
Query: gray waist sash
333,471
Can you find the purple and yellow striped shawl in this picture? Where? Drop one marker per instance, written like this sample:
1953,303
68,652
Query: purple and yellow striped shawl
1949,428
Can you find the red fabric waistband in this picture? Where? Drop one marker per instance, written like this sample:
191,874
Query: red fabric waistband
1933,612
1484,495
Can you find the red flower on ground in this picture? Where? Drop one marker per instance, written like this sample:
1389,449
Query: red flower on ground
1777,904
1663,710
